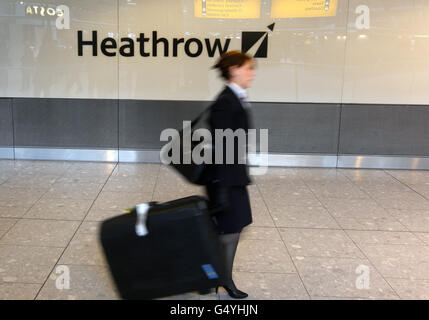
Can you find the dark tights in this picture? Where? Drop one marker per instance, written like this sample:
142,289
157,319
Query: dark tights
229,242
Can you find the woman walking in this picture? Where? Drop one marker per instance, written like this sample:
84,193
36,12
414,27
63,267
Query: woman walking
227,183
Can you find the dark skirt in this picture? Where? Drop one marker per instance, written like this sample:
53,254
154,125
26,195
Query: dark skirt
237,214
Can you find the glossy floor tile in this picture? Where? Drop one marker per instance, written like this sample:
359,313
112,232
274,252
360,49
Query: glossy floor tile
304,217
59,209
399,260
342,277
413,220
319,243
361,214
26,264
410,289
86,283
6,224
423,236
263,255
268,286
19,291
34,232
320,234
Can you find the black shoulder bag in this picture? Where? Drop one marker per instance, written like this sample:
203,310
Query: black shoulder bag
192,172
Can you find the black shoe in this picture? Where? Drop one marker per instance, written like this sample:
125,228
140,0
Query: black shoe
233,292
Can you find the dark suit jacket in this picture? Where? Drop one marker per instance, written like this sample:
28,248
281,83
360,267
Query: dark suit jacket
227,112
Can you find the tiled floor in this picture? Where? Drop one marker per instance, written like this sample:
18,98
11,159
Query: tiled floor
317,233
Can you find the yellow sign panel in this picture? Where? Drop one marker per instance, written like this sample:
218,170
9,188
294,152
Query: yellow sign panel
303,8
227,9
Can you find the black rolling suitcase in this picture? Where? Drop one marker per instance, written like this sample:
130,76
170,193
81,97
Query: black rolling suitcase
174,249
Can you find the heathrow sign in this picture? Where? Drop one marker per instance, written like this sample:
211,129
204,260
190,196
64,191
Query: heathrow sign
146,45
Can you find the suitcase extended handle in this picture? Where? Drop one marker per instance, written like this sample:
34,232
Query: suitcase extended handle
142,210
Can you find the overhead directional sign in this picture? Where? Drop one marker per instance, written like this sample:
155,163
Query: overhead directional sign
227,9
303,8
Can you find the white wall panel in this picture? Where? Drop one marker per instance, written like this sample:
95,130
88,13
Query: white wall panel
304,63
38,60
387,63
323,58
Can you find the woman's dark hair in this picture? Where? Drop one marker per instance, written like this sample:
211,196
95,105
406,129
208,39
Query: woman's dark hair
230,59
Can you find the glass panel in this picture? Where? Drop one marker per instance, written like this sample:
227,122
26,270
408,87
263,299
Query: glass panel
40,60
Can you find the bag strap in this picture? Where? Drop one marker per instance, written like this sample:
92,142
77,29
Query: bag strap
199,116
193,122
